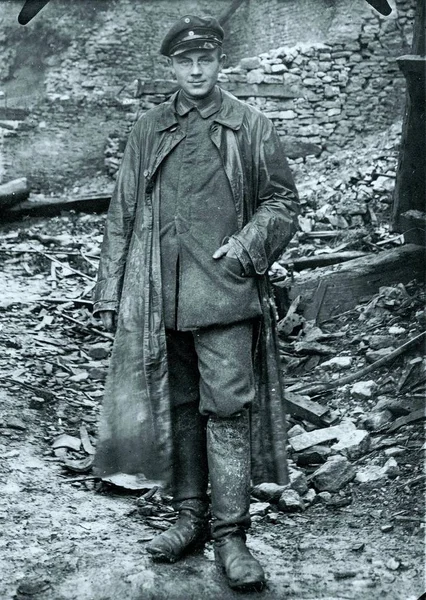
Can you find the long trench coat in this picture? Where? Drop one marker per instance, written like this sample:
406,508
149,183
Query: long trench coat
135,427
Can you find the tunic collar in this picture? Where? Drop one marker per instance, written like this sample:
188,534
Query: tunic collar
231,113
207,106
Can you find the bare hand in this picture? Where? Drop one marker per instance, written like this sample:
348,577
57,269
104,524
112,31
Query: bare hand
225,250
109,319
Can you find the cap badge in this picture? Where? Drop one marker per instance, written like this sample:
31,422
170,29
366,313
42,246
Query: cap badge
187,20
190,33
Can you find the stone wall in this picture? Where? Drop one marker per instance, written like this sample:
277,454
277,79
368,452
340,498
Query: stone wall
78,68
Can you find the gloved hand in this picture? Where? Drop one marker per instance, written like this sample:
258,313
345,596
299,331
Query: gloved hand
109,319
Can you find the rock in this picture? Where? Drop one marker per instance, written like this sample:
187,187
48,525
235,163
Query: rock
268,491
13,423
325,497
298,481
318,436
313,456
393,564
287,114
392,405
377,342
310,496
295,430
98,374
334,474
386,528
98,351
255,76
354,444
363,390
370,474
338,363
376,420
250,62
372,355
391,468
395,451
259,509
290,501
278,68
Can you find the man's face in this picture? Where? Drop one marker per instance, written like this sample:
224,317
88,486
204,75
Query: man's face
197,71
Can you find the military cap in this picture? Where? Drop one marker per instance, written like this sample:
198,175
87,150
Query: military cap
192,33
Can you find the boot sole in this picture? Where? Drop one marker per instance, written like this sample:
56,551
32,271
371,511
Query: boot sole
242,586
161,556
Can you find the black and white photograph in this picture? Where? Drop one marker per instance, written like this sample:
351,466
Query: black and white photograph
213,316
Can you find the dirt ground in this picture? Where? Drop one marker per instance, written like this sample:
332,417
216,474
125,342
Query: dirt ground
63,539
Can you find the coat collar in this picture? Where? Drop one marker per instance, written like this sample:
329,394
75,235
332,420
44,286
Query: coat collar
230,115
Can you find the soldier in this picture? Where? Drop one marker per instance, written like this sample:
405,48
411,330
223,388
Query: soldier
204,203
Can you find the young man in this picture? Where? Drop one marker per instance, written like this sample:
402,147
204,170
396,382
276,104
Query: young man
204,203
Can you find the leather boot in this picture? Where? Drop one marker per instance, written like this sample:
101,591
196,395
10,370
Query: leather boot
190,532
189,488
228,451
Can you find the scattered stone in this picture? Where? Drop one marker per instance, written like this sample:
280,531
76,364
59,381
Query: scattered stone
345,574
394,406
372,355
393,564
33,587
13,423
310,496
391,468
354,444
98,374
255,76
376,420
259,509
295,430
272,517
269,492
363,390
377,342
334,474
290,501
98,351
338,363
313,456
395,451
298,481
325,497
386,528
318,436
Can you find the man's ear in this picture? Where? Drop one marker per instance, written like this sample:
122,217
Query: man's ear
223,60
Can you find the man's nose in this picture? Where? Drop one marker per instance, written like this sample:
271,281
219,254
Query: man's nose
195,69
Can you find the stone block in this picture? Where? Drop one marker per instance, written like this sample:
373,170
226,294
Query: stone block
259,509
279,68
334,474
337,363
376,420
269,492
255,76
290,501
251,62
363,390
298,481
313,456
354,444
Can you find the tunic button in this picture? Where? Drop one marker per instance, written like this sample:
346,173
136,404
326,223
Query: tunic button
146,173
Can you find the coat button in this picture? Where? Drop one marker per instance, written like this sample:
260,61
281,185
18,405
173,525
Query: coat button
146,174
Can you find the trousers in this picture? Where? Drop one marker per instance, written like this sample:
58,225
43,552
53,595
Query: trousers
212,367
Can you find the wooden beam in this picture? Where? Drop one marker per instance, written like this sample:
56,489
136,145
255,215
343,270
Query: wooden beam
348,284
228,12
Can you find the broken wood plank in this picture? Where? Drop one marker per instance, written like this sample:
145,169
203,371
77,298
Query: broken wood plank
417,415
322,260
350,282
305,408
50,207
13,192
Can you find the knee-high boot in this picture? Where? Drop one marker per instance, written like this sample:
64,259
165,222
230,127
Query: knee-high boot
228,451
189,487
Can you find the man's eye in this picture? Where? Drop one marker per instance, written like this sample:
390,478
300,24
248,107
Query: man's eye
205,61
185,63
